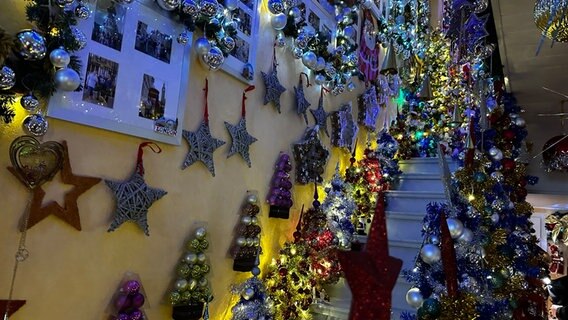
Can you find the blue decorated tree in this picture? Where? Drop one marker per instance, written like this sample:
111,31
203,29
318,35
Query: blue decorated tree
339,208
254,303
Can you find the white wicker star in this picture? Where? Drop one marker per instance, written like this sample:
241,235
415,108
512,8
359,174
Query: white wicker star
273,87
241,139
201,147
302,104
320,116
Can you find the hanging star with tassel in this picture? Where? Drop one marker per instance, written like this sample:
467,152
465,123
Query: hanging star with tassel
320,115
273,87
134,197
201,142
241,139
372,273
302,104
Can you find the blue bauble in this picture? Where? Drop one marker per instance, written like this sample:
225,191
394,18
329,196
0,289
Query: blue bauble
432,307
479,177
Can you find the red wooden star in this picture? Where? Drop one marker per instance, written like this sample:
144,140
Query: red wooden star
449,258
15,305
70,211
372,273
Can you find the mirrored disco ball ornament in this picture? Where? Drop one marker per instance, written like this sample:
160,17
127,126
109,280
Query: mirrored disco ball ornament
213,59
30,45
190,7
35,125
183,38
551,18
82,12
29,102
79,37
169,5
208,8
7,78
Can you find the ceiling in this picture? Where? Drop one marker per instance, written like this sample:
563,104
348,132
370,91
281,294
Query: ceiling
527,73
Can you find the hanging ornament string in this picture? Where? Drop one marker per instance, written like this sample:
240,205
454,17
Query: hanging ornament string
139,161
206,111
244,110
307,80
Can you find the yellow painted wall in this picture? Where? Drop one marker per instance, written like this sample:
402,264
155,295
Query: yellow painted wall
73,275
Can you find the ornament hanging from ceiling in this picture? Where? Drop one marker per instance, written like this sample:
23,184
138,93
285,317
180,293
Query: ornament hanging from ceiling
302,104
273,87
311,157
133,196
239,134
201,143
344,128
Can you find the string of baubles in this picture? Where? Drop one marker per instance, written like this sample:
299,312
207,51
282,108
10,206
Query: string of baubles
333,60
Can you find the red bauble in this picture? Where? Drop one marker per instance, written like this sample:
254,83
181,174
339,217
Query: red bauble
521,194
508,164
283,272
509,134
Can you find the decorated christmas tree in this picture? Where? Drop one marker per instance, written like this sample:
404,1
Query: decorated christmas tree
279,197
246,247
191,293
254,303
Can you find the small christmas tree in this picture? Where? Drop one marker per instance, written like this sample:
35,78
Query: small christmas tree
129,300
279,196
191,290
254,303
246,248
339,208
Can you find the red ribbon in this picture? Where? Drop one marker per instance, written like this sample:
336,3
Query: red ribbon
244,110
139,161
307,79
206,111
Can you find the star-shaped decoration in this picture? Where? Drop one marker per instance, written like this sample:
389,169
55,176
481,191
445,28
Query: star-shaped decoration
241,139
311,157
369,109
134,197
302,104
201,147
372,273
475,29
320,116
70,210
15,305
273,88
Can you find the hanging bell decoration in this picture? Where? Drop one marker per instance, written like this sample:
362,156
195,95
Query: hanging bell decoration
456,117
550,17
425,92
389,63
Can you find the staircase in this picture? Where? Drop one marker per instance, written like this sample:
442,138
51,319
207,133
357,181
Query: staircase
420,184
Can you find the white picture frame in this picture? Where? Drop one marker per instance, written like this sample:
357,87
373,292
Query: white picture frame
246,40
320,15
134,73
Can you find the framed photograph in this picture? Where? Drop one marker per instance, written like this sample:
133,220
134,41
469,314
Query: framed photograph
248,13
320,15
134,73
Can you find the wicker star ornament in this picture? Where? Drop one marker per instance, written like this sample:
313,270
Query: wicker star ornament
241,139
273,87
302,104
201,143
133,196
320,115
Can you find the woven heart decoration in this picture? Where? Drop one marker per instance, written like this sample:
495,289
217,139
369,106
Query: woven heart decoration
35,163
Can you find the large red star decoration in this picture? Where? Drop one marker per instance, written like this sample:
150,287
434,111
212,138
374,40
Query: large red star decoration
70,211
372,273
15,305
449,258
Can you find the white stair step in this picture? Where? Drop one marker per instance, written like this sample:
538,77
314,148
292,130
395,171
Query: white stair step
431,182
406,251
405,226
412,201
399,294
425,165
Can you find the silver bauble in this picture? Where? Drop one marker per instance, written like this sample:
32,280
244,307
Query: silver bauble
249,242
246,220
280,40
255,242
190,7
183,38
203,282
30,45
214,59
255,271
191,284
190,258
248,293
350,32
350,86
79,37
252,199
321,64
493,151
480,6
466,236
7,78
430,253
201,257
202,46
301,41
181,285
497,175
498,156
67,79
228,43
169,5
200,233
59,58
434,239
414,298
82,12
309,59
291,3
456,227
309,31
29,102
297,53
208,8
35,124
231,4
520,122
495,218
254,220
296,13
64,3
241,241
330,70
275,6
319,79
278,21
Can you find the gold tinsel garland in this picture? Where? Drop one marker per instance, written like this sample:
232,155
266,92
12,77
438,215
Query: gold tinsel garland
462,307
